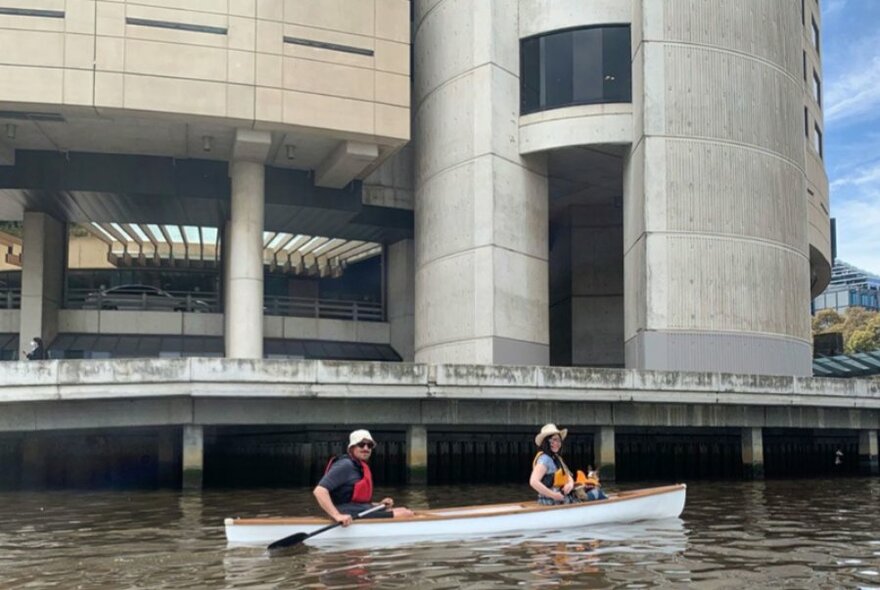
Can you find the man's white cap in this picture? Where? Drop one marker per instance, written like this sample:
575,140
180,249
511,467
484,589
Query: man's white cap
359,436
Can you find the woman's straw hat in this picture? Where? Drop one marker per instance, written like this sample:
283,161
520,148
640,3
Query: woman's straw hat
550,430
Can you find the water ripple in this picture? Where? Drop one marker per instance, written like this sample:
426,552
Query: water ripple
804,534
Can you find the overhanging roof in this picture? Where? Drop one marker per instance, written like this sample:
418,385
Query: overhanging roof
861,364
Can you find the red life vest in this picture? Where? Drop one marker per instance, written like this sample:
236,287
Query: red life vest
362,493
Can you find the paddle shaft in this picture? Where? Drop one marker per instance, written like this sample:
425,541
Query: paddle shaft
293,540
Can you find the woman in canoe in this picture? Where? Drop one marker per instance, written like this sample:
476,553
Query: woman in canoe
551,477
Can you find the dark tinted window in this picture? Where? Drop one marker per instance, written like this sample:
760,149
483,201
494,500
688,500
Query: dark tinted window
578,66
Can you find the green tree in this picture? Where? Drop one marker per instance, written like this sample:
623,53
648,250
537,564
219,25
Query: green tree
866,337
827,320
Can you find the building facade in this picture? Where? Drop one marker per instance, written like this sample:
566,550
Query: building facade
849,287
631,184
603,183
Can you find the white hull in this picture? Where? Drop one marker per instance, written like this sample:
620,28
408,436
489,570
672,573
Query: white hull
648,504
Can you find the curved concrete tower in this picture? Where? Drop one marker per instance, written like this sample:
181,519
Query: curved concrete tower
672,148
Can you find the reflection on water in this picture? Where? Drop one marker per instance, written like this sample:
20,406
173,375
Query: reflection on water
804,534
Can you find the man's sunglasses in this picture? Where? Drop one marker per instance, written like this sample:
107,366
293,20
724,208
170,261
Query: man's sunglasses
365,445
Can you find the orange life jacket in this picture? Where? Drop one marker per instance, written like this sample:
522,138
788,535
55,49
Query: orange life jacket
556,479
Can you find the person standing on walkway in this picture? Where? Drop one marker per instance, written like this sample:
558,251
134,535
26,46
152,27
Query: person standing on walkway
37,352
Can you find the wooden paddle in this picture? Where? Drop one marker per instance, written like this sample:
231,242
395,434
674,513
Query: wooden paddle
297,538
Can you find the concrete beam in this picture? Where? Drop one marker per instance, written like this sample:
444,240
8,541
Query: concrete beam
705,398
251,146
349,159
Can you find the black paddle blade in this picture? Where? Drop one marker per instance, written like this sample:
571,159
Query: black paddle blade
289,541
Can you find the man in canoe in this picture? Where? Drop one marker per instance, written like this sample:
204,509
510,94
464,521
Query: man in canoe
347,486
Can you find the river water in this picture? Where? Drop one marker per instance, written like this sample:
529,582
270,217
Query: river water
775,534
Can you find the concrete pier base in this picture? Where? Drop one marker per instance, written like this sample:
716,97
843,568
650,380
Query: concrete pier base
193,456
603,453
417,455
753,453
869,464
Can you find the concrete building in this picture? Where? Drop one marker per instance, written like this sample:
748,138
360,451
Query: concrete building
673,147
600,183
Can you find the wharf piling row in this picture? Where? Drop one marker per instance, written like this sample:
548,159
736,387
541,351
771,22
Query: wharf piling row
218,422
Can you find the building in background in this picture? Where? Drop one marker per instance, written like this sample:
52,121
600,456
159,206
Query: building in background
849,287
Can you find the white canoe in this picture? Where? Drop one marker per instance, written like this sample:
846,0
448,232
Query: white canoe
466,521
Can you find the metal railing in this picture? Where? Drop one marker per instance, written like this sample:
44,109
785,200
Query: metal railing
191,301
334,309
10,299
200,301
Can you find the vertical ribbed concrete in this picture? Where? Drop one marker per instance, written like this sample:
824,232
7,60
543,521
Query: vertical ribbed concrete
193,456
244,295
480,208
716,264
604,453
753,453
417,455
44,248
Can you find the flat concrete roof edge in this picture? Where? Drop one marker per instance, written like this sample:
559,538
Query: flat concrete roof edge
220,377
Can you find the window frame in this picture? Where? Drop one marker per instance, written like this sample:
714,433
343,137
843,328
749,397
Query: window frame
528,86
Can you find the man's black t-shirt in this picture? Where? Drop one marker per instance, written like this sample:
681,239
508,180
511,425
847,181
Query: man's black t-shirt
340,479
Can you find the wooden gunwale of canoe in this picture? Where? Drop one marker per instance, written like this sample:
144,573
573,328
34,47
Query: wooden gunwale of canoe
478,511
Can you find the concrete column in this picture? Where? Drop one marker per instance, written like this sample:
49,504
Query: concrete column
603,453
165,456
44,249
868,455
224,270
401,297
716,262
193,456
244,293
753,453
33,461
417,455
481,209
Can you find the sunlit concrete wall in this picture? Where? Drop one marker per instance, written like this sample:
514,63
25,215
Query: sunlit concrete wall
481,246
717,273
215,58
819,231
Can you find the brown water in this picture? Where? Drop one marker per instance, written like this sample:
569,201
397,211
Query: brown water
778,534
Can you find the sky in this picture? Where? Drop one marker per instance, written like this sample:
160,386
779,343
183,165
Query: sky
850,42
